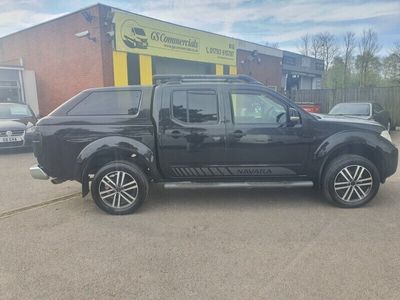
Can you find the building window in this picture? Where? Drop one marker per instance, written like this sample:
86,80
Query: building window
226,70
287,60
133,69
10,91
164,65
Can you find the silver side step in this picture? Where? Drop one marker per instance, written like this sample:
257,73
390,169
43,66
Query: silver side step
250,185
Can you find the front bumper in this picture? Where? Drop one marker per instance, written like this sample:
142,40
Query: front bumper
390,162
38,173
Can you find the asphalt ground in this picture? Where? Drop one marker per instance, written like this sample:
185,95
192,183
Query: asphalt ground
18,189
205,244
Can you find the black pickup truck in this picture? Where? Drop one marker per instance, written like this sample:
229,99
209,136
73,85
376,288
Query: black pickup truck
207,131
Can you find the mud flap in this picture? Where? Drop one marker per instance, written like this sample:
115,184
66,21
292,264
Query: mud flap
85,185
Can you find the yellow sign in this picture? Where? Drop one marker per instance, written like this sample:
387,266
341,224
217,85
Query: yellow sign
141,35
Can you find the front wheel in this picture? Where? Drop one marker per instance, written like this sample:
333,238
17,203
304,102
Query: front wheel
119,188
351,181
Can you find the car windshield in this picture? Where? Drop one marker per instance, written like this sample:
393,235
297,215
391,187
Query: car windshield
14,111
139,31
351,109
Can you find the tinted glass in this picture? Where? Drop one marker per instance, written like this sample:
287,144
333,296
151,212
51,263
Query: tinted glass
108,103
179,106
202,106
14,111
139,31
195,106
351,109
256,108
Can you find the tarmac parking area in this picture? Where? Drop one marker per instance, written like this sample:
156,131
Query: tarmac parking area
218,244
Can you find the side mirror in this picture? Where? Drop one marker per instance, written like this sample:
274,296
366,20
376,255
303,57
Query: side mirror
294,116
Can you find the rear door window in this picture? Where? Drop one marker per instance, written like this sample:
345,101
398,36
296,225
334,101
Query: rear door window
108,103
195,106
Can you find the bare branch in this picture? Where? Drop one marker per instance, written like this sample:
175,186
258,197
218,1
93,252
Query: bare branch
315,47
304,46
349,40
324,47
367,60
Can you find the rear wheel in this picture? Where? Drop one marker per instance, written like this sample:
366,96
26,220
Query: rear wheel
119,188
351,181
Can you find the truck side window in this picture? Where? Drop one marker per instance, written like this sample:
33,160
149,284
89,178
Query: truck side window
179,106
195,106
254,108
108,103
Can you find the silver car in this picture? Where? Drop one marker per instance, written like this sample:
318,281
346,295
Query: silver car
17,123
370,111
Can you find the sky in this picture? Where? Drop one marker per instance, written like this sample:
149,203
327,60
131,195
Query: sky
259,21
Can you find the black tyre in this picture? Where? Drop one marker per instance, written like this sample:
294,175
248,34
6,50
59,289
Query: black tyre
350,181
119,188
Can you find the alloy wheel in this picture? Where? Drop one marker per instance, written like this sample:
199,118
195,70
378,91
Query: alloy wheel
353,183
118,189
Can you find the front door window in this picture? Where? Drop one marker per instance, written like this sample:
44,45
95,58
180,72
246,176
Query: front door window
249,108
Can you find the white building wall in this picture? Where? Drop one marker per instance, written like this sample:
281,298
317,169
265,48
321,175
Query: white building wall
316,83
29,81
305,83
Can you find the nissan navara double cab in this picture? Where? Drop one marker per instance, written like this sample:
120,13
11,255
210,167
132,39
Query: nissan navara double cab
193,131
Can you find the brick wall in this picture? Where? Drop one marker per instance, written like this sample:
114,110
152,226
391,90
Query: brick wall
106,45
63,63
265,68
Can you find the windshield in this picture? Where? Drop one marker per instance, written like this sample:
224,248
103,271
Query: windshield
351,109
14,111
139,31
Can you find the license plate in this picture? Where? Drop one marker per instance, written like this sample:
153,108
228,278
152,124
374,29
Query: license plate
10,139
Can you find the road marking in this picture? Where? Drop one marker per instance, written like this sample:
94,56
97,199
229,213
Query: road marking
12,212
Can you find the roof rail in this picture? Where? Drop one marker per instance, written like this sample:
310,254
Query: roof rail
176,78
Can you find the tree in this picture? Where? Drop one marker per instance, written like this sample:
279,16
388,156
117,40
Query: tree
367,61
322,46
391,66
315,50
349,46
305,44
357,59
369,73
334,75
328,48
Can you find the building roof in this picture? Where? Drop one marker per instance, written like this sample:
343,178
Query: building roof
242,44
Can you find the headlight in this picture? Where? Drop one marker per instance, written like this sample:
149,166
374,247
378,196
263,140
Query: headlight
386,135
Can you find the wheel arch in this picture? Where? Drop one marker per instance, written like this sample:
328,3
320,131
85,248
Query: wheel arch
365,145
114,148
